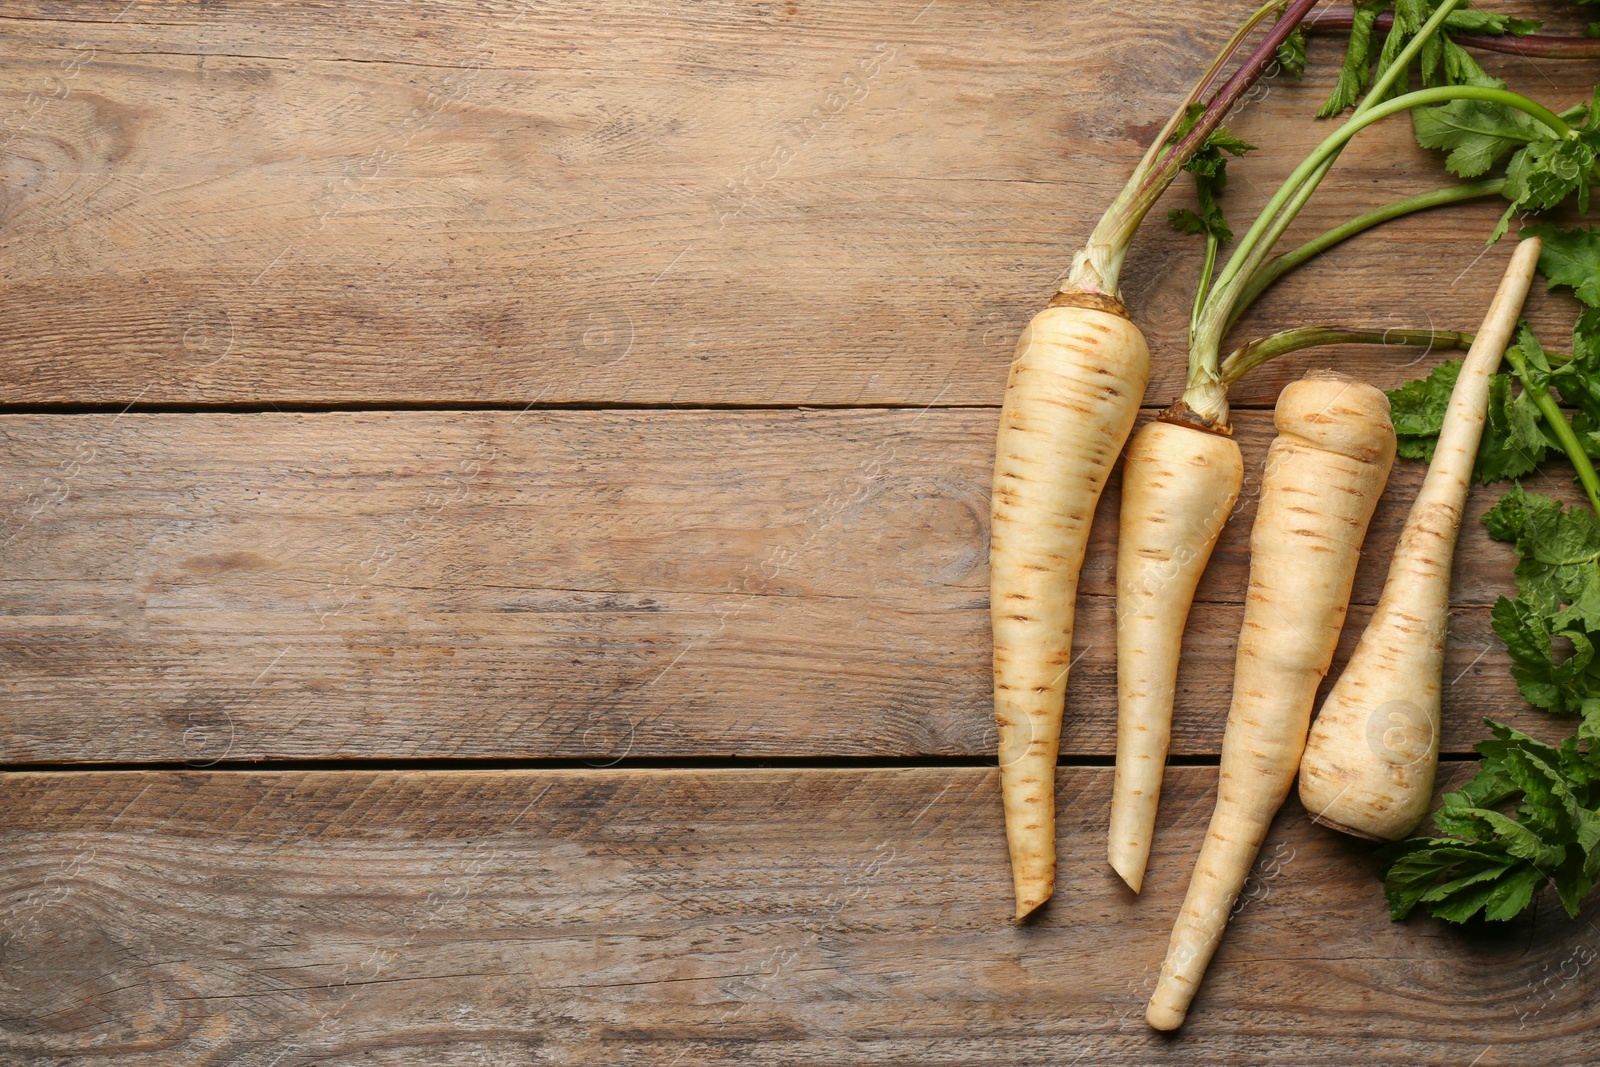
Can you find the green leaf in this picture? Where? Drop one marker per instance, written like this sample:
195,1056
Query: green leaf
1409,15
1471,20
1543,174
1209,167
1292,53
1476,133
1414,867
1523,842
1459,66
1512,894
1559,550
1527,635
1515,511
1417,410
1547,802
1572,884
1355,74
1571,258
1462,905
1475,873
1513,443
1588,829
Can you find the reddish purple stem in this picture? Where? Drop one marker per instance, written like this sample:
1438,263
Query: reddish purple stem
1535,45
1247,75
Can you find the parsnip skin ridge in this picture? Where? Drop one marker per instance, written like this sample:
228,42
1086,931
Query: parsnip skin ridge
1071,398
1324,474
1179,486
1373,751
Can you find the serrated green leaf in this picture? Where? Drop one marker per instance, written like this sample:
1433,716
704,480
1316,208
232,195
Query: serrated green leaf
1471,20
1513,513
1522,627
1512,893
1547,804
1209,167
1413,867
1355,73
1459,66
1560,555
1409,15
1570,258
1513,443
1588,823
1543,174
1474,875
1476,133
1292,53
1468,902
1572,884
1417,410
1522,841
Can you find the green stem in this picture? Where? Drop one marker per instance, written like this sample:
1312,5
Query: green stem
1248,357
1278,266
1230,284
1159,146
1205,394
1204,287
1373,99
1559,426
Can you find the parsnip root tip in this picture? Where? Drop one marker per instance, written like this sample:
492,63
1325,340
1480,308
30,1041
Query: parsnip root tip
1026,909
1164,1016
1131,873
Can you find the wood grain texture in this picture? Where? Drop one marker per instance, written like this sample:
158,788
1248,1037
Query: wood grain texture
671,917
575,584
457,201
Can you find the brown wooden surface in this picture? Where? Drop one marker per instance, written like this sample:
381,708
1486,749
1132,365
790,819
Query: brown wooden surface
674,917
462,201
577,584
776,254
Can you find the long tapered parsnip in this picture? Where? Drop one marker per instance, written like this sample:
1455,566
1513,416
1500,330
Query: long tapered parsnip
1070,402
1324,474
1179,485
1369,762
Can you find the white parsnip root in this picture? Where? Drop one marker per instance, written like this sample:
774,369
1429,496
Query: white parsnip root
1369,763
1179,485
1070,402
1324,474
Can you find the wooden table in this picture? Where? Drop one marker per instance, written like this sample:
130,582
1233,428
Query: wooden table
493,530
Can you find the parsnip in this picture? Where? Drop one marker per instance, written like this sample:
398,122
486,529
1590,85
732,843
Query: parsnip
1179,485
1071,399
1369,763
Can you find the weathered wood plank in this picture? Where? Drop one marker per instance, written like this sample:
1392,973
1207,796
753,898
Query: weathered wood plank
819,203
576,584
674,917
